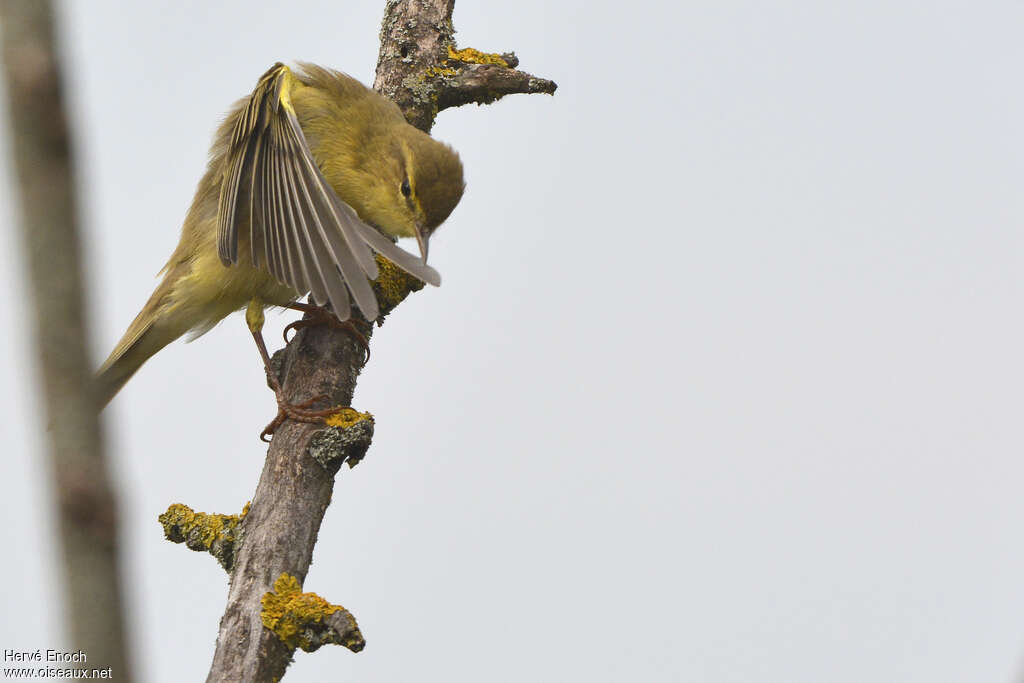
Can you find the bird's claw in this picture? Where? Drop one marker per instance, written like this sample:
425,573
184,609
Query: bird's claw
320,316
298,412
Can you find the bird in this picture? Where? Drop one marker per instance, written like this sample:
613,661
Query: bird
308,176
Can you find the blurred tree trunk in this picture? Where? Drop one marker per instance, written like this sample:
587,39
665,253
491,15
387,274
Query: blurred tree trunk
83,492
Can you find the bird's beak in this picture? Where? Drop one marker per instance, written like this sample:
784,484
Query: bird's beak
423,238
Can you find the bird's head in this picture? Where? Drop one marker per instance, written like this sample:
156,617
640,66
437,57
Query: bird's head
417,187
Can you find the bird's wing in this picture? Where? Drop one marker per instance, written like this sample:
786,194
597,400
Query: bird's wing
308,237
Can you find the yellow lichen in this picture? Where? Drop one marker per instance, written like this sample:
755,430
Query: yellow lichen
289,612
346,417
205,528
432,71
470,55
393,284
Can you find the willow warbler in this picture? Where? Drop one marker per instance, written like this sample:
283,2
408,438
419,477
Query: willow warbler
302,175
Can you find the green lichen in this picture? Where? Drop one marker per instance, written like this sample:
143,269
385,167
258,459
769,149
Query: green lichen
213,533
346,442
423,92
297,618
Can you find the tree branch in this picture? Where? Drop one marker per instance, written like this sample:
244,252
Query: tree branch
419,68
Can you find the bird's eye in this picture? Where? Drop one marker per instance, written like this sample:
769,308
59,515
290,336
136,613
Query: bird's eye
406,190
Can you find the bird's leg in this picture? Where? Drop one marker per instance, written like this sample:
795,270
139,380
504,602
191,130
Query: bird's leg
318,315
300,412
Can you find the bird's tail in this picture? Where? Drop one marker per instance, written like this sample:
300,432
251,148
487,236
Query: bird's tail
156,326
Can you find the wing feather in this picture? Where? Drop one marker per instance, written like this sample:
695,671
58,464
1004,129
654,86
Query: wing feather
344,260
342,215
286,232
308,254
410,263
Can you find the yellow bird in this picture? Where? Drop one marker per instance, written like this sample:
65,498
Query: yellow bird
302,175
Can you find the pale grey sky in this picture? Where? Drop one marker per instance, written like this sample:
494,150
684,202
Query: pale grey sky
723,383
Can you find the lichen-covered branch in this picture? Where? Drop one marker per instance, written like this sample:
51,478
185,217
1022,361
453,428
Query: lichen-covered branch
347,444
420,68
307,621
471,76
214,534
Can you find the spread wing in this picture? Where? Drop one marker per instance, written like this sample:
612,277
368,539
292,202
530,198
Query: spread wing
306,235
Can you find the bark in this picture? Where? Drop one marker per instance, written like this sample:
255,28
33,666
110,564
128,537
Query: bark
86,504
420,69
